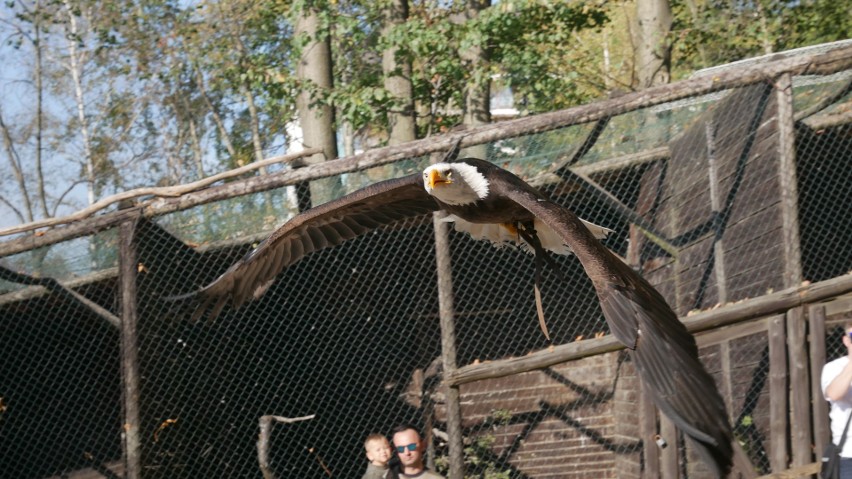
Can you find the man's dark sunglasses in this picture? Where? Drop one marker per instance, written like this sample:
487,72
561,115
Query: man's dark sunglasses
411,447
850,334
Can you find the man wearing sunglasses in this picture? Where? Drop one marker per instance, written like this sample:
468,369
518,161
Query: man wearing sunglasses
409,447
836,381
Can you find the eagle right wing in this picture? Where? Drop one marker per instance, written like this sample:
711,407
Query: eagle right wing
321,227
663,350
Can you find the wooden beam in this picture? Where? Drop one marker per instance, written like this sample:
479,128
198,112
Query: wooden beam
841,305
645,226
778,418
742,463
734,77
788,183
807,470
816,343
731,314
731,332
648,429
800,388
716,207
814,110
167,191
669,455
769,304
446,311
132,445
43,285
31,292
828,120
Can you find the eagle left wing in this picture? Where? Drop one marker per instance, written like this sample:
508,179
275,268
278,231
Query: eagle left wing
664,352
321,227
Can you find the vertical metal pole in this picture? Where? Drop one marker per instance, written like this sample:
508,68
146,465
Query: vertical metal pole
448,343
129,351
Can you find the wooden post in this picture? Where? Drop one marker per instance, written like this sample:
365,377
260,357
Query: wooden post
788,182
816,323
800,388
129,351
648,430
716,205
777,331
448,344
671,453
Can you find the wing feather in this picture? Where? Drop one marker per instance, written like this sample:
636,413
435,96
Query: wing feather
343,231
664,352
321,227
318,238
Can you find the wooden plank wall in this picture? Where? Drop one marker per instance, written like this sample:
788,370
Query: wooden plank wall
739,135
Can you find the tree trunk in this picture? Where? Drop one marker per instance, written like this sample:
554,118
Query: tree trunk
75,67
254,119
39,80
397,74
653,48
477,94
14,162
214,112
314,70
765,35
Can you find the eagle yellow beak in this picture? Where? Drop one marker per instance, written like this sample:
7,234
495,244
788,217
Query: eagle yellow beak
436,178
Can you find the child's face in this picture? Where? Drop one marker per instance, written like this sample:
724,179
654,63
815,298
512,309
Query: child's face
379,451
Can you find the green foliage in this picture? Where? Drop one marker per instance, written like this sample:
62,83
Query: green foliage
713,32
530,43
479,459
168,83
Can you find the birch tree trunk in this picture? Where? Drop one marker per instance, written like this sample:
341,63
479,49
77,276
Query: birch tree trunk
76,59
39,84
254,120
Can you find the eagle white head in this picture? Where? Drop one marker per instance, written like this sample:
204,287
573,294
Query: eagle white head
455,183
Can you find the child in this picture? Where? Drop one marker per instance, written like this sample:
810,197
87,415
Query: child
378,453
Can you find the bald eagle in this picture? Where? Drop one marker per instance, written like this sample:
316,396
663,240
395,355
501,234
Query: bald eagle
493,204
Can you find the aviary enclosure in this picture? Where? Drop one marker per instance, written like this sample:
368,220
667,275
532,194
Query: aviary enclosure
729,191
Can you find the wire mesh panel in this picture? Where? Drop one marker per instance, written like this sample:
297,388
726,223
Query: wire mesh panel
60,405
348,340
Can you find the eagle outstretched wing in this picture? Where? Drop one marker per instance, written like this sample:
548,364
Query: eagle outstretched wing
664,352
662,349
318,228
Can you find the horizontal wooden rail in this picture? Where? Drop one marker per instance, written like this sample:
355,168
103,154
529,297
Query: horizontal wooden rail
729,314
737,76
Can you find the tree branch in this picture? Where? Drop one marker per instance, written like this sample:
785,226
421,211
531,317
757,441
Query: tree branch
263,440
163,191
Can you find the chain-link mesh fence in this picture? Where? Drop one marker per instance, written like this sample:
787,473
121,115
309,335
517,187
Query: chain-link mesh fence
698,194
